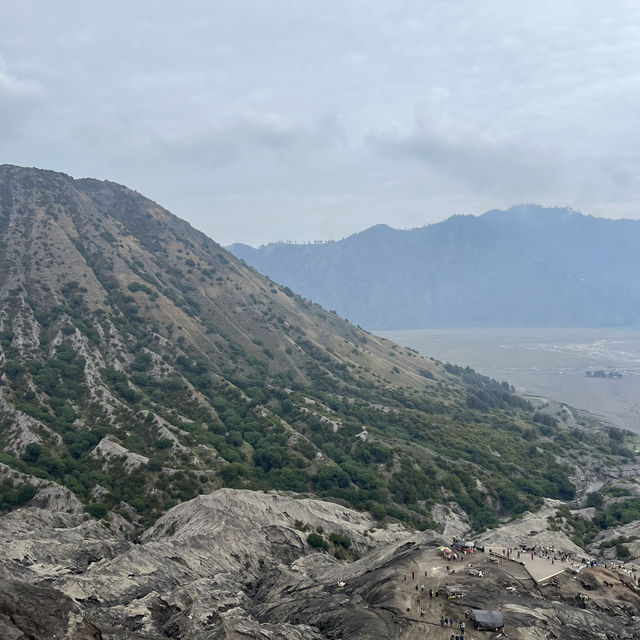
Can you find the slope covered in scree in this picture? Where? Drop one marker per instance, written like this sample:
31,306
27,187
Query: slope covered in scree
141,364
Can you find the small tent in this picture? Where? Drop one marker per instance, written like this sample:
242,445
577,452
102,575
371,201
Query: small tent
454,591
485,619
464,546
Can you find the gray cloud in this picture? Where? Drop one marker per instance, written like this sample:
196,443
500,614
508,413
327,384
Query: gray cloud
270,134
18,97
294,120
485,161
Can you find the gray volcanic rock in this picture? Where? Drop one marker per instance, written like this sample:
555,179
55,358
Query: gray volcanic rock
628,534
50,495
37,543
531,530
221,512
236,565
40,613
205,569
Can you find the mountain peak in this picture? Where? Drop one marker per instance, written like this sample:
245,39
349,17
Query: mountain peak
531,213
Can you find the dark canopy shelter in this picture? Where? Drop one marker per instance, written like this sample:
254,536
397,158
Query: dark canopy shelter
485,619
464,545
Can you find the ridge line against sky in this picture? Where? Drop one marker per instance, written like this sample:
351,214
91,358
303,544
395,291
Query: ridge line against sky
300,121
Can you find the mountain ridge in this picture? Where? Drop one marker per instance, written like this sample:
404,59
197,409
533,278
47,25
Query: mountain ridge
526,266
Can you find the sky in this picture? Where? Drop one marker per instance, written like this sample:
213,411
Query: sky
299,120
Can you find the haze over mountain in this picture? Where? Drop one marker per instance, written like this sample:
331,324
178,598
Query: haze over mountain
524,267
141,366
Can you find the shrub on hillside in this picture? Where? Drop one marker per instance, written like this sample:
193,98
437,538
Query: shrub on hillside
317,541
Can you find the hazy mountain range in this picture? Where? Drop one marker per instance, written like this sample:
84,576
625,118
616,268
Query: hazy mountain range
526,266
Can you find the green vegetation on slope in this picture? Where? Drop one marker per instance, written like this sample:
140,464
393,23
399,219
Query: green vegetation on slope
393,451
142,365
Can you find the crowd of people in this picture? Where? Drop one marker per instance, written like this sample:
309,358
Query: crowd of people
549,553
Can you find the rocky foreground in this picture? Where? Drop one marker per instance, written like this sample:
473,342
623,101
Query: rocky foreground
236,564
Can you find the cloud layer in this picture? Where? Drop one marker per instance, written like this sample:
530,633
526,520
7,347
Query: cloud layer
286,120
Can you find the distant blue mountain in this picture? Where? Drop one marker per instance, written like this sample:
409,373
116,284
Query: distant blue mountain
526,266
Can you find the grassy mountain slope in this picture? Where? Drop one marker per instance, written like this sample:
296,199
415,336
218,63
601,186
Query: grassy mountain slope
141,364
528,266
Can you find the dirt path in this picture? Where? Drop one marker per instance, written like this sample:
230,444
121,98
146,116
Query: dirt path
410,601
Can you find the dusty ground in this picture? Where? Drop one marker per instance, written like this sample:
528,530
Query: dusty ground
547,362
531,611
439,573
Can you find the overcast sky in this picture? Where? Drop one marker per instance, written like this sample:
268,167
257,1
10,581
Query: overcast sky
295,120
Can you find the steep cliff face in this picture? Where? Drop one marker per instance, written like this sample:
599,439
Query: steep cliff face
75,250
